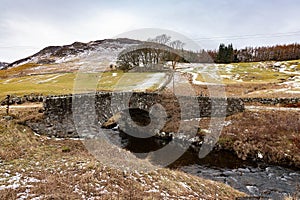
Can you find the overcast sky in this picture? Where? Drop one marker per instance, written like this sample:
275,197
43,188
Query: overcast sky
27,26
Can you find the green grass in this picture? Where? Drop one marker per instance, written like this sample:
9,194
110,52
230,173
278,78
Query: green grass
33,84
64,83
254,72
14,81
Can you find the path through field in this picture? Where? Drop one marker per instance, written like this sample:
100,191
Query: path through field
260,108
35,105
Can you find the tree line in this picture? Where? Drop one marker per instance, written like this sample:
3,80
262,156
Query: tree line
156,52
227,54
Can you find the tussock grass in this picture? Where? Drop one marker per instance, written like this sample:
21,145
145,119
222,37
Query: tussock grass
274,134
47,171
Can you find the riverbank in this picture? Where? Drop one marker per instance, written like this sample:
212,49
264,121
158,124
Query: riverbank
34,166
264,136
269,135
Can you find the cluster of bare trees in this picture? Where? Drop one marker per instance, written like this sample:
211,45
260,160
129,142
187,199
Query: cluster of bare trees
155,52
277,53
256,54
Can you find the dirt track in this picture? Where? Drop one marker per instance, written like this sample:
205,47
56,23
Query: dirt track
35,105
259,108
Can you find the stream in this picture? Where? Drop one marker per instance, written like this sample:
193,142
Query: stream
255,179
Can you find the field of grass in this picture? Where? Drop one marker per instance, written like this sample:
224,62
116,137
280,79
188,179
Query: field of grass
251,72
253,79
241,79
15,71
64,83
19,86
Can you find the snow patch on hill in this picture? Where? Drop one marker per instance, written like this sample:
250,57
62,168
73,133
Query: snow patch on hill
92,56
3,65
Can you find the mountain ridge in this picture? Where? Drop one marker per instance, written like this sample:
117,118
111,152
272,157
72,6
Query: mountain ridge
48,54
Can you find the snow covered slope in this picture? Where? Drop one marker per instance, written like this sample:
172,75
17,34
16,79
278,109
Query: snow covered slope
91,56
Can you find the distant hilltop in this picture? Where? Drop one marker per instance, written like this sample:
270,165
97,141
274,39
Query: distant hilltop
55,54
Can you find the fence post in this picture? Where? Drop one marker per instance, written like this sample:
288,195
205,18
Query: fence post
7,104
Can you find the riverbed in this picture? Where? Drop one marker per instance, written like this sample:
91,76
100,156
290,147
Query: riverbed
255,179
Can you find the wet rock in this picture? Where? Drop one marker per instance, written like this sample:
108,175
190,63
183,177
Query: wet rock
253,189
112,122
8,118
228,173
246,170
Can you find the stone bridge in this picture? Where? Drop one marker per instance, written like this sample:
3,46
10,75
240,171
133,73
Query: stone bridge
65,115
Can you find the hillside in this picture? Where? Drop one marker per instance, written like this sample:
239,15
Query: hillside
251,79
53,70
91,56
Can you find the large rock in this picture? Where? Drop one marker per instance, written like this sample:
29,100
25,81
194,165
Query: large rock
112,122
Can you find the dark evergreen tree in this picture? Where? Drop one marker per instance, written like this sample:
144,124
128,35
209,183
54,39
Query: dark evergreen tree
225,54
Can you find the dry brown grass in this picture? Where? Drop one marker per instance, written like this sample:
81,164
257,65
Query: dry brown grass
248,90
75,174
17,71
274,134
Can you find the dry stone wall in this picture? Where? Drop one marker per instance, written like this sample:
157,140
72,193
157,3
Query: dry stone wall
65,115
272,101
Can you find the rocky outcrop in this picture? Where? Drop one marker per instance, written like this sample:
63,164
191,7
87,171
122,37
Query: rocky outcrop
3,65
112,122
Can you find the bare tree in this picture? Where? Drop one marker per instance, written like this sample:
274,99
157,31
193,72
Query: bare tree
161,39
175,57
176,44
156,51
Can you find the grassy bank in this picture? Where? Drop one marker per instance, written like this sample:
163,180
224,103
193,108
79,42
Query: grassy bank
37,166
271,136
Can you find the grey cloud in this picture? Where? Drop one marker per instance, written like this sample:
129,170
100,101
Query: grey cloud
70,20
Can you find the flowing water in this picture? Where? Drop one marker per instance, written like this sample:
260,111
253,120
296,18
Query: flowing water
255,179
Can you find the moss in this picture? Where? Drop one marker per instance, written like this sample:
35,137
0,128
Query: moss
226,141
65,149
